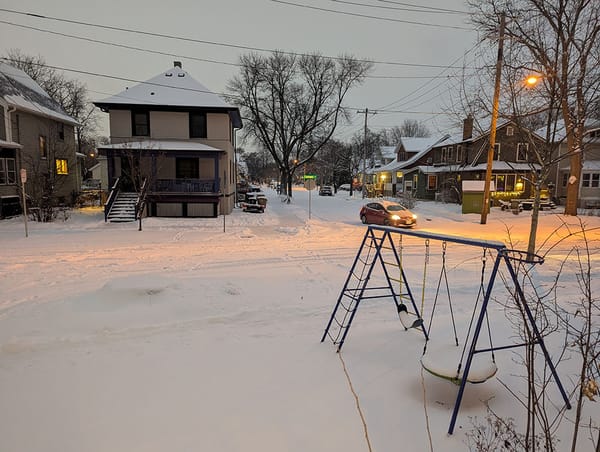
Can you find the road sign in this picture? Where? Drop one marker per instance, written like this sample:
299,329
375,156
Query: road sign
310,176
310,184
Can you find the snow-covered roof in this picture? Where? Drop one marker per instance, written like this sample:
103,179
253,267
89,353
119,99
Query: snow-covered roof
587,165
427,144
417,144
560,134
9,144
163,145
22,92
388,152
171,88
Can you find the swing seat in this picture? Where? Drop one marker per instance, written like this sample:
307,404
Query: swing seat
406,320
442,361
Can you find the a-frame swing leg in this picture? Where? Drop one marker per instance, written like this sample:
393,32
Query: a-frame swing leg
473,344
536,332
354,295
538,339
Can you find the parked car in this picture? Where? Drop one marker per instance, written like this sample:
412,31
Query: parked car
255,201
344,187
326,190
387,213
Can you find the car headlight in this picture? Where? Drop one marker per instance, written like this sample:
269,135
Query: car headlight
395,217
414,217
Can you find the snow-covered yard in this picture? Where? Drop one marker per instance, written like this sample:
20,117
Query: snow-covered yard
204,334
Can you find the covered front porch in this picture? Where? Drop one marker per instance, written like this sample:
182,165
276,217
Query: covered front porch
175,179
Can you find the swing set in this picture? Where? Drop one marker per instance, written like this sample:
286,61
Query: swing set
460,364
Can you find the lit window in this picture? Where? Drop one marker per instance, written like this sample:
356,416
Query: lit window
43,147
61,166
431,182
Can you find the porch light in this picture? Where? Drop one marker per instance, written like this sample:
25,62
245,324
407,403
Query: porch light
519,186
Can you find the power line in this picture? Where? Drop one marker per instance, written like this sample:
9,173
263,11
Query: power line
411,8
389,19
202,41
432,8
124,46
175,55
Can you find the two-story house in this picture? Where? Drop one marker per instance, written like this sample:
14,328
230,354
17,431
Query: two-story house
589,184
36,135
464,157
172,141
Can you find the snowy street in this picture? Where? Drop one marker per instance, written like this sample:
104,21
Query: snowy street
185,337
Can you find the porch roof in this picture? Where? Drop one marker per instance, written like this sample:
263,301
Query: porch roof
163,145
496,166
587,165
10,145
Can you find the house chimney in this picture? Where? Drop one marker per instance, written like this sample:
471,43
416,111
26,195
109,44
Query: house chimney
468,127
177,64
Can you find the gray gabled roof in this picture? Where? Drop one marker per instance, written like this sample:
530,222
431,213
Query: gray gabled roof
171,88
22,92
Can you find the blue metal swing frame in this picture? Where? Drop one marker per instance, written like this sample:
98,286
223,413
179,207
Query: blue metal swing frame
380,238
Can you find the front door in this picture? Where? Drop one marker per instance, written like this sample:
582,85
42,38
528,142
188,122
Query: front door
129,172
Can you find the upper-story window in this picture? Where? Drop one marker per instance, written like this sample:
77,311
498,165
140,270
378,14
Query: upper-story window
444,155
496,151
450,154
197,125
61,131
62,166
459,153
43,147
2,125
510,131
140,123
522,149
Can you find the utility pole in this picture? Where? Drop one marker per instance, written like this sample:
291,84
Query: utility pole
490,157
364,172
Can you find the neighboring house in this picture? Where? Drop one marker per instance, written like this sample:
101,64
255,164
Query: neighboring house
589,185
38,136
179,137
411,151
439,169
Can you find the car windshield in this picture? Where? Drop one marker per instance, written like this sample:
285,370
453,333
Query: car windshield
395,208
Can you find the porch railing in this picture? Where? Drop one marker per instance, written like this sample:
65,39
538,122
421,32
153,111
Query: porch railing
187,185
111,198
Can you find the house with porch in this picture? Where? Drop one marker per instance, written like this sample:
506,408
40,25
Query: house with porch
36,135
589,184
172,144
438,170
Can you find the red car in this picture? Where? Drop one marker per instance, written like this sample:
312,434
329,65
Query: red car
387,213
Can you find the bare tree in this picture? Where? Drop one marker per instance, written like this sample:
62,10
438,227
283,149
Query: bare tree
560,40
293,104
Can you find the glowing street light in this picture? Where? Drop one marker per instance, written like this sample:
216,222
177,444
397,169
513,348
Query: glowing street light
532,80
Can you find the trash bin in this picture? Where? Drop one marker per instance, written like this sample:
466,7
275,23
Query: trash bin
515,206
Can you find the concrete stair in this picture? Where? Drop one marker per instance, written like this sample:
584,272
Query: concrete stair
123,209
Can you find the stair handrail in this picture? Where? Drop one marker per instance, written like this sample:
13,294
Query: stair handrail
114,191
141,202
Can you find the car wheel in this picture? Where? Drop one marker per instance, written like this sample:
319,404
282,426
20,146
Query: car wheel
386,222
363,218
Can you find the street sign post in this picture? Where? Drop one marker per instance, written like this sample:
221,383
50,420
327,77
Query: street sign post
23,180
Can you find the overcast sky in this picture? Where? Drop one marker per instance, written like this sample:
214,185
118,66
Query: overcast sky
419,90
